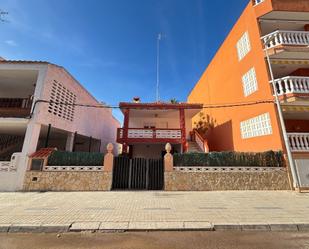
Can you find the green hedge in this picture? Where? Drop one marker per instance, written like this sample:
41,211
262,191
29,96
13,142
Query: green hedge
62,158
264,159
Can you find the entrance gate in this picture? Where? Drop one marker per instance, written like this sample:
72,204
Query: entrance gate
138,174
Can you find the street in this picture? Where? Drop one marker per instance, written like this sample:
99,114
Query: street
158,240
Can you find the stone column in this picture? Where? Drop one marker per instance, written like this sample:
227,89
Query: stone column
109,158
168,159
183,130
70,142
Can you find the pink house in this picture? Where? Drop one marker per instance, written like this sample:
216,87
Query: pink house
27,125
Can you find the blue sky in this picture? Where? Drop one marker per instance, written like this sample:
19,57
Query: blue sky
110,45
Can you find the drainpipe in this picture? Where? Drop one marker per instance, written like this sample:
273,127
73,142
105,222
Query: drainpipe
281,119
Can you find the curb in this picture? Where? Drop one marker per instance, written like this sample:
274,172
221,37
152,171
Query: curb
150,226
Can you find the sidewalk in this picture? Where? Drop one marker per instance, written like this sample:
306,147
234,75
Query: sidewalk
78,211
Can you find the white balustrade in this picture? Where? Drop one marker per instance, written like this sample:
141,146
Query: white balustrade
171,134
5,166
140,133
292,84
280,37
200,142
256,2
151,133
299,142
226,169
73,168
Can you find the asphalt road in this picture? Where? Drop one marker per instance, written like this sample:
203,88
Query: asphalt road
158,240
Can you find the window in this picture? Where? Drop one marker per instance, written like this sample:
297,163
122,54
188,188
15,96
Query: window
243,46
256,127
249,82
60,94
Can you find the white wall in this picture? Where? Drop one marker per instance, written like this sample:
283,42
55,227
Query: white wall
150,150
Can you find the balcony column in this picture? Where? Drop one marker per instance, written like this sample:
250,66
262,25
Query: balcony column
183,130
125,130
70,141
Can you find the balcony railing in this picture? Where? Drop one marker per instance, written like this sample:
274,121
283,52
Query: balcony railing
15,107
292,84
256,2
280,37
140,134
299,142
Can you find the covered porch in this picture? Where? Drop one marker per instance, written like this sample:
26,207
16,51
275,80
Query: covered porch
149,126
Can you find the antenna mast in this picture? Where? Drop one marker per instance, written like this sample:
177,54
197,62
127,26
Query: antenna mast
159,38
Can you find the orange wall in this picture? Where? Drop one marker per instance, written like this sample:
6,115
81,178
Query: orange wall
222,83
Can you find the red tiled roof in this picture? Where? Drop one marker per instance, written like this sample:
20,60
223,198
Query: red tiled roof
44,152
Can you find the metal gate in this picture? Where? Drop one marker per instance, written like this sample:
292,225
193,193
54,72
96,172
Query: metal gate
138,174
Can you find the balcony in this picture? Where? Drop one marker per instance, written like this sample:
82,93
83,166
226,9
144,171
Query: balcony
299,142
149,135
256,2
15,107
289,38
292,85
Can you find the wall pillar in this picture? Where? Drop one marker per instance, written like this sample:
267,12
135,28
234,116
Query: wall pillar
168,159
183,130
31,138
109,158
70,142
125,130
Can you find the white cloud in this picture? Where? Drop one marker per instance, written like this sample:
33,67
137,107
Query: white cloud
11,43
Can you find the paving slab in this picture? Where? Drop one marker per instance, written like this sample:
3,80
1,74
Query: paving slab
84,226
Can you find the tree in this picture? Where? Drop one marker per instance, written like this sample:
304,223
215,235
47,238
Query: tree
204,123
174,101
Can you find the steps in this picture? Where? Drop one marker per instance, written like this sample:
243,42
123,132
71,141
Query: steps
193,147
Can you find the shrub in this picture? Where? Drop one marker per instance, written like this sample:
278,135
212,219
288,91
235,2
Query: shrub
263,159
63,158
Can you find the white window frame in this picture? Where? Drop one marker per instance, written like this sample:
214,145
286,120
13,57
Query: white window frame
249,82
256,127
243,46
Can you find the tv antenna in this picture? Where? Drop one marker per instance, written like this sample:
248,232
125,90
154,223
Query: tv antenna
159,38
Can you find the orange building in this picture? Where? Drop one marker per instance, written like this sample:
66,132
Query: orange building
240,73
